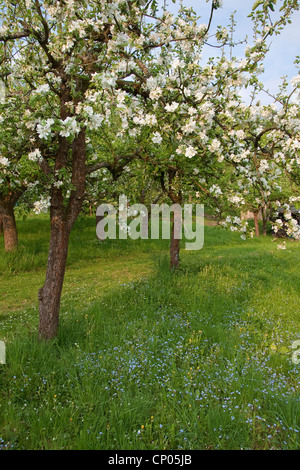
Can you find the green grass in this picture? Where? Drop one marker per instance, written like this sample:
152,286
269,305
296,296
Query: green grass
147,358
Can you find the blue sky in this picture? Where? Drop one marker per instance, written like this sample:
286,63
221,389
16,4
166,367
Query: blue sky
283,50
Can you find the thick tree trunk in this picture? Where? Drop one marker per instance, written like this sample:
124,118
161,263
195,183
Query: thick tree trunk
50,294
9,226
62,219
256,224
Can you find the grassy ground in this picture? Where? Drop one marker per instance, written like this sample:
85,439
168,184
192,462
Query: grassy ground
146,358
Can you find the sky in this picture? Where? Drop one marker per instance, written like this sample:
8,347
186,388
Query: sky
283,49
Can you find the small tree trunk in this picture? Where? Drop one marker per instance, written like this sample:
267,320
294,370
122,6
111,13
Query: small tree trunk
50,294
264,226
265,220
174,248
1,224
256,224
175,241
176,197
9,227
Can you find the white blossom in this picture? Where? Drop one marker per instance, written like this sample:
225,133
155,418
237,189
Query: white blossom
42,205
69,127
190,152
156,93
171,107
35,156
44,129
4,161
157,138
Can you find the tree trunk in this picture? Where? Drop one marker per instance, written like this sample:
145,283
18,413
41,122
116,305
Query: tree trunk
176,197
265,213
256,224
62,219
50,294
175,241
174,249
9,226
264,226
1,224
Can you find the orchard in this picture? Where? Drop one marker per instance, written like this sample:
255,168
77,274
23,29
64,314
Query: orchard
101,99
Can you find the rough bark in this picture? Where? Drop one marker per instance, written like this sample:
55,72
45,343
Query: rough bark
264,226
257,233
9,225
175,242
62,220
176,197
50,294
174,249
265,217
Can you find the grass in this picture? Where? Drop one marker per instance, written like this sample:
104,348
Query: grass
150,359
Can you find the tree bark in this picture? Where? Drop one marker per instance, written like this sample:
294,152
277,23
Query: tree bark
9,226
174,248
175,241
265,226
50,294
265,217
1,224
62,219
255,214
176,197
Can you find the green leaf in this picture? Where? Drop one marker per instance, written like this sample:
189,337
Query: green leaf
257,4
271,6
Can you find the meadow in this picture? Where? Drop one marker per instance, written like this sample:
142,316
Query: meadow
146,358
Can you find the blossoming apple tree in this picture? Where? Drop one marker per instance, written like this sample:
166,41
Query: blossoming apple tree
79,58
187,110
264,150
59,49
18,172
